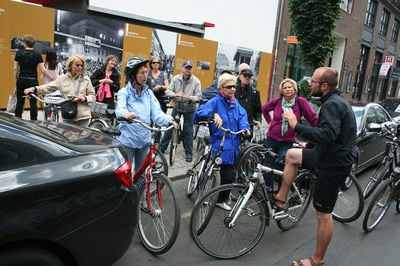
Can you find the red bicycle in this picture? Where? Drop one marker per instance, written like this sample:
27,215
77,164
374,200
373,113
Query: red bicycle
159,217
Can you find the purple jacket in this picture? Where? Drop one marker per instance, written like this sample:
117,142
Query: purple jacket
274,130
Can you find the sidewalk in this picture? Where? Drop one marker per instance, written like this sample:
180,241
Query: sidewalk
177,171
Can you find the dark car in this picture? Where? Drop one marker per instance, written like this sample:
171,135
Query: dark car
65,195
370,144
392,106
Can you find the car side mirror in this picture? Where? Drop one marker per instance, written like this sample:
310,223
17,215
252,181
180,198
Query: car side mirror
374,127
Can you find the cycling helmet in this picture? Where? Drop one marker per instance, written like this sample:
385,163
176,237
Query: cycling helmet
133,64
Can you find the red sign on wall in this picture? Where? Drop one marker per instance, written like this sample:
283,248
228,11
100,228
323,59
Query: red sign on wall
389,59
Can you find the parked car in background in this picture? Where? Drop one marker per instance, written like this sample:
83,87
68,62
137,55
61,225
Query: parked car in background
392,106
370,144
65,195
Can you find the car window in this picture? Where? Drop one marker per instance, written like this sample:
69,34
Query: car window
16,154
371,116
358,113
381,116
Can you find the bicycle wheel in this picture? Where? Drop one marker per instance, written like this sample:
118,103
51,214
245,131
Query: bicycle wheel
208,182
209,225
99,123
158,226
246,164
173,147
161,163
195,172
379,205
298,207
350,202
376,178
398,199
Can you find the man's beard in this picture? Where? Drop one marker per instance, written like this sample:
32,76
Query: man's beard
317,93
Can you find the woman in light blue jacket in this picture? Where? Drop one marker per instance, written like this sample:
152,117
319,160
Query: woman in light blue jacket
135,100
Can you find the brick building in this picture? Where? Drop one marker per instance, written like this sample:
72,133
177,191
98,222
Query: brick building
367,55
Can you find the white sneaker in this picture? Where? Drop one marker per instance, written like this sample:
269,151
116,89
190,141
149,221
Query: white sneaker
224,206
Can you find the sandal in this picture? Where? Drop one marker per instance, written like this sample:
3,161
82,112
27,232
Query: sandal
311,260
277,207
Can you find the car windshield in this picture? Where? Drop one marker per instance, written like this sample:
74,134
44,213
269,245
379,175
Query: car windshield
358,113
392,107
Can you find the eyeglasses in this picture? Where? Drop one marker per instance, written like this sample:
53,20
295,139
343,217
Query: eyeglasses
229,87
155,62
317,81
79,65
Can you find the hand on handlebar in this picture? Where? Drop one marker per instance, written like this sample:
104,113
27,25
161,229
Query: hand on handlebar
130,116
29,90
172,122
183,96
247,133
78,98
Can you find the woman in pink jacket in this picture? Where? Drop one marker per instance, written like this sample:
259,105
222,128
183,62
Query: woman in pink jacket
280,136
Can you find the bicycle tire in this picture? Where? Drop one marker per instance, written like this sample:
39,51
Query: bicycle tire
99,123
161,163
246,165
376,178
173,147
305,185
398,200
159,228
197,169
350,202
206,183
212,234
378,206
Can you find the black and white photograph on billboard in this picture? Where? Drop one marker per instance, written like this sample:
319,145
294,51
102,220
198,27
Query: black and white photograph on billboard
163,45
229,57
40,46
93,37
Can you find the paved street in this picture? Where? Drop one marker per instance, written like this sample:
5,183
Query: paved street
349,247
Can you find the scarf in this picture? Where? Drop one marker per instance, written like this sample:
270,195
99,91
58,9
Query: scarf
104,88
286,106
229,98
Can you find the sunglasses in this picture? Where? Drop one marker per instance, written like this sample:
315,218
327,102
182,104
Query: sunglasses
246,76
155,62
230,87
79,65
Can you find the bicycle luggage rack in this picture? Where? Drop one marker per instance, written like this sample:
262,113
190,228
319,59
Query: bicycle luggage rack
98,108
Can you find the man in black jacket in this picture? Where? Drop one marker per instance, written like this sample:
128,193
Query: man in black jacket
331,157
248,97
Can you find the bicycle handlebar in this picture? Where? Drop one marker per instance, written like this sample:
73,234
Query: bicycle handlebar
206,121
110,131
178,99
143,124
61,102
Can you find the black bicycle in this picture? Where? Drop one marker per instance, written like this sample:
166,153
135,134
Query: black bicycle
386,166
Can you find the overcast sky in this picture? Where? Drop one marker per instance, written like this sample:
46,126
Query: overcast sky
247,23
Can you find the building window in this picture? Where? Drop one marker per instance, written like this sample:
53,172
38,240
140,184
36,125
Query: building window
374,76
360,74
370,14
346,5
384,22
395,30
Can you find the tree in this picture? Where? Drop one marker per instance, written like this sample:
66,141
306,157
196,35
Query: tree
313,22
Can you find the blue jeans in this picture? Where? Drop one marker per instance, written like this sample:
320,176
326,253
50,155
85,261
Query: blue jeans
188,126
136,156
280,148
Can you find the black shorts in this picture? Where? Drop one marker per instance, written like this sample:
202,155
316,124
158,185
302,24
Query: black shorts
326,189
326,186
309,158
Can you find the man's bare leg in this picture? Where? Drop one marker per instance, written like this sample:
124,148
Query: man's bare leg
293,159
324,236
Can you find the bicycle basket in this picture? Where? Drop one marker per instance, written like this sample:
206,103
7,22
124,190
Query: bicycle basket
203,132
98,108
52,99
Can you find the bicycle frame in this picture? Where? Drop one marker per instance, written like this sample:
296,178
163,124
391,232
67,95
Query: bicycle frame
150,160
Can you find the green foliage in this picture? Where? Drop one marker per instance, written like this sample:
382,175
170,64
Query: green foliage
313,22
304,89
